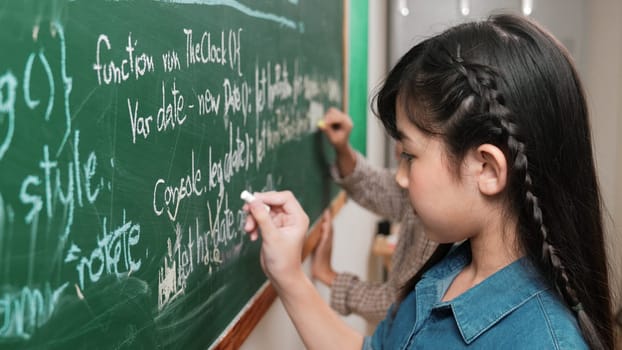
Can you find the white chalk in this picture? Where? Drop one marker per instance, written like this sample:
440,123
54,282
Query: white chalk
248,197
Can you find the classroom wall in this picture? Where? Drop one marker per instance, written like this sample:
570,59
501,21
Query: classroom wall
354,227
565,18
603,78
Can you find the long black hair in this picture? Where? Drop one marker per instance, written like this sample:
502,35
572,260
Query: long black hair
507,82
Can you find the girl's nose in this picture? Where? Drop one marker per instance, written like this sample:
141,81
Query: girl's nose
401,176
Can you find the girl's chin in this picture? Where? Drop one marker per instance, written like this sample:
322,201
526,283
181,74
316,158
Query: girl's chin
440,239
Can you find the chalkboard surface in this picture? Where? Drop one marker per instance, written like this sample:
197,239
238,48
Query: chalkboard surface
128,130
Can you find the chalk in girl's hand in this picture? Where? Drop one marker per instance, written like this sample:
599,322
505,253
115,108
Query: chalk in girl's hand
248,197
322,125
314,114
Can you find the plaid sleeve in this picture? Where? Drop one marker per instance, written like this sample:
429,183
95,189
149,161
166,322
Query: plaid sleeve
412,250
374,189
371,300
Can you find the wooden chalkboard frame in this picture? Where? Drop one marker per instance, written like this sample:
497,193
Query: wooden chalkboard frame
242,326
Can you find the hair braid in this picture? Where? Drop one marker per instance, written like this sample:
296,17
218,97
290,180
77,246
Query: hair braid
481,80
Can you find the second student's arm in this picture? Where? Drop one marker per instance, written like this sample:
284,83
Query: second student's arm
283,230
373,188
348,294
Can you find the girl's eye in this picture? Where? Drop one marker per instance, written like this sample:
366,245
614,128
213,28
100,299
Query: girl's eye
407,157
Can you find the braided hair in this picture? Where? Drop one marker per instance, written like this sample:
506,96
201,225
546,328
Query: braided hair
507,82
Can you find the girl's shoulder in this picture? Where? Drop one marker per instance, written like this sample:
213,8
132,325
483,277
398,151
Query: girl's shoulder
548,321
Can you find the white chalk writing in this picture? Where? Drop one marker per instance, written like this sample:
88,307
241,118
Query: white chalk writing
66,194
172,195
113,254
26,309
54,185
136,65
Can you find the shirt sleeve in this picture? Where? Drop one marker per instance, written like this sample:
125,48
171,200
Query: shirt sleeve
367,343
373,188
368,299
376,340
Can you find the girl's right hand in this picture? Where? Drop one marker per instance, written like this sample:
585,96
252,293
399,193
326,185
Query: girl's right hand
283,230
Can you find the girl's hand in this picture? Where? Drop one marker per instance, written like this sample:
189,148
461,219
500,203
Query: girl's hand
321,268
282,229
337,127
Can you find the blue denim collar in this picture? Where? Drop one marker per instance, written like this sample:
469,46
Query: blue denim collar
481,307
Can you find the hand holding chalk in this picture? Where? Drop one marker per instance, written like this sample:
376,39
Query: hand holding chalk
283,231
323,125
337,126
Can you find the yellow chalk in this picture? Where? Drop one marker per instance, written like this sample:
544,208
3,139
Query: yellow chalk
321,124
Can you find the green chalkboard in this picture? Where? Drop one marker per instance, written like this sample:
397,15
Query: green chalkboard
128,130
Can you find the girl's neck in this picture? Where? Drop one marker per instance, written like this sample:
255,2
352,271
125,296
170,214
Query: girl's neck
490,252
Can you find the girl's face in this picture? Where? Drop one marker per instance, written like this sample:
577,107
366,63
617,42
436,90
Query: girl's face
447,205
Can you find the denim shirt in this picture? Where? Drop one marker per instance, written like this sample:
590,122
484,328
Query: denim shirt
512,309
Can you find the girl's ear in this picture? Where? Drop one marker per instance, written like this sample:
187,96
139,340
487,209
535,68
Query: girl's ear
491,169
